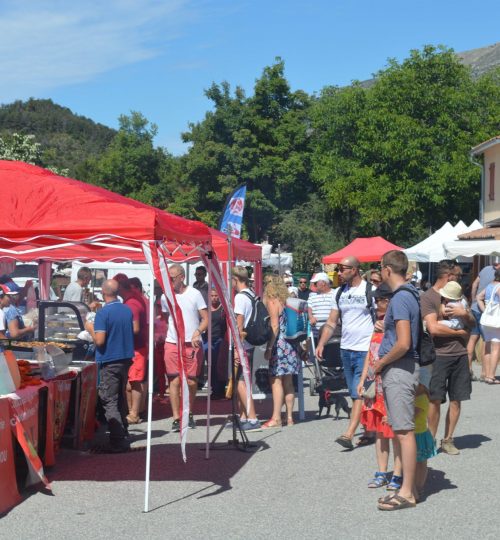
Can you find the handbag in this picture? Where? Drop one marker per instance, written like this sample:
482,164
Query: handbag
369,390
491,314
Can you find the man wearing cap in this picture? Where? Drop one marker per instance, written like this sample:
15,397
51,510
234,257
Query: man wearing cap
450,374
355,307
15,327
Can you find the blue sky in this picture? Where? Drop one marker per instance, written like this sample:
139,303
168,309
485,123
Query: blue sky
103,59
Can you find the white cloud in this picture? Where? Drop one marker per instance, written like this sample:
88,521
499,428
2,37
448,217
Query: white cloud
49,43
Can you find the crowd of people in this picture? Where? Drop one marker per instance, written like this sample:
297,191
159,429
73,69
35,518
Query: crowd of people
371,326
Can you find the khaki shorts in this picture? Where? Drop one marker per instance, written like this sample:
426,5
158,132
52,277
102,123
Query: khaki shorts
399,382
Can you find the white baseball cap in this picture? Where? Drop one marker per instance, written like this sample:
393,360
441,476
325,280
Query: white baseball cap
320,276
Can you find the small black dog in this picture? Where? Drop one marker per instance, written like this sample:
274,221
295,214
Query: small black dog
327,398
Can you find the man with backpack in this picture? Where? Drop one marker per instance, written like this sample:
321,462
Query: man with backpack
354,305
244,302
399,367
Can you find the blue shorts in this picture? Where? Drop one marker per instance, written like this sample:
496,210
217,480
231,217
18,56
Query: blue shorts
353,362
477,330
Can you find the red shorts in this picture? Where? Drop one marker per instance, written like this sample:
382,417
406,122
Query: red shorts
193,360
139,369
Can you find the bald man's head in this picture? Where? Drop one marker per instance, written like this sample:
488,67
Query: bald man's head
350,261
110,287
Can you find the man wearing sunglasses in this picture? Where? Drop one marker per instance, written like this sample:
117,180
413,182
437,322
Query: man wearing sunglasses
195,317
355,306
304,290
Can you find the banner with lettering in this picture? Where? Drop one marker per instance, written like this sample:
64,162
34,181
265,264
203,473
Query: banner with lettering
9,496
24,424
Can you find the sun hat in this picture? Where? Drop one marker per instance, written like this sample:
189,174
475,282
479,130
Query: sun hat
451,291
320,276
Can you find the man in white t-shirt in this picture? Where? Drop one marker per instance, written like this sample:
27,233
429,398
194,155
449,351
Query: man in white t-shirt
195,316
74,291
355,308
243,312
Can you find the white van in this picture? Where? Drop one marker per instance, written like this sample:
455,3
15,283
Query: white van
106,270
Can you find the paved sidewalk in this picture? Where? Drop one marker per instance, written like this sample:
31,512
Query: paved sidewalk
298,484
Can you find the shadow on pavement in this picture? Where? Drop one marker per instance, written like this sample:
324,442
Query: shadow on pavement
436,482
166,465
474,440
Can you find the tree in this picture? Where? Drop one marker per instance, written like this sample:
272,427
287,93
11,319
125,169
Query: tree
309,232
262,140
405,166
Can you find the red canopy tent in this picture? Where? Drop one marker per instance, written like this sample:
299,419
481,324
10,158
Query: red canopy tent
364,249
43,216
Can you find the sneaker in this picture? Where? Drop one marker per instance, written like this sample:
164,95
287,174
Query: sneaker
251,426
191,424
176,425
448,447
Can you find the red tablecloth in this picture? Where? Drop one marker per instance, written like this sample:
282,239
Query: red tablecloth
19,417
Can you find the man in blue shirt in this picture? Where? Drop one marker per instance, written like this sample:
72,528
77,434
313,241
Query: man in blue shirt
399,369
113,335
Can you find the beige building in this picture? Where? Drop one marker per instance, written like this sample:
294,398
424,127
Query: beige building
489,151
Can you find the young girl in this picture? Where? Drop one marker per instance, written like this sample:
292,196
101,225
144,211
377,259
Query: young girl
426,446
373,413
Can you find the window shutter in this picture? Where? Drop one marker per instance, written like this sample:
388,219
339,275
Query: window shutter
492,181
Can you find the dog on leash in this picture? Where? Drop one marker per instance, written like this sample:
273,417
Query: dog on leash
327,398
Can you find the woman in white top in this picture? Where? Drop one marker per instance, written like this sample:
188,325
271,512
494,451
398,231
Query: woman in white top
491,335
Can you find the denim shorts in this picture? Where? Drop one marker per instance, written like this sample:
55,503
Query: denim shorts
477,330
353,362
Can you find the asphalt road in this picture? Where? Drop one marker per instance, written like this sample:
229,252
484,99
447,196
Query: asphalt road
296,484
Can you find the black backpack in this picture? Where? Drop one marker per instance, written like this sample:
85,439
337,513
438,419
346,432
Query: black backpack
258,330
425,346
369,300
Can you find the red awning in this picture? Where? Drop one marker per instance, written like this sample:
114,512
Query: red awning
56,217
37,202
364,249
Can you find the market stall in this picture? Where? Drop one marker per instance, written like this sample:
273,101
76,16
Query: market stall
48,217
364,249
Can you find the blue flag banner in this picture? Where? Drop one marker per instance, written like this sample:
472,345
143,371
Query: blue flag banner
232,216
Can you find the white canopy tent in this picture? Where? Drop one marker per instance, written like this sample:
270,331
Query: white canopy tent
470,248
432,248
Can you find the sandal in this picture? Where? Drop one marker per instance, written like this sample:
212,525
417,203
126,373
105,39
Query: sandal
396,503
289,421
379,480
491,380
345,442
395,483
271,424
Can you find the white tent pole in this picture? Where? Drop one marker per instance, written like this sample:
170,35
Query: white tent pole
150,384
209,362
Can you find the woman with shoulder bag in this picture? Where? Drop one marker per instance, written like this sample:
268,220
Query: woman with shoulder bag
488,301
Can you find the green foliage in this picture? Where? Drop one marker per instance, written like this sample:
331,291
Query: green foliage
308,231
393,159
66,140
261,140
